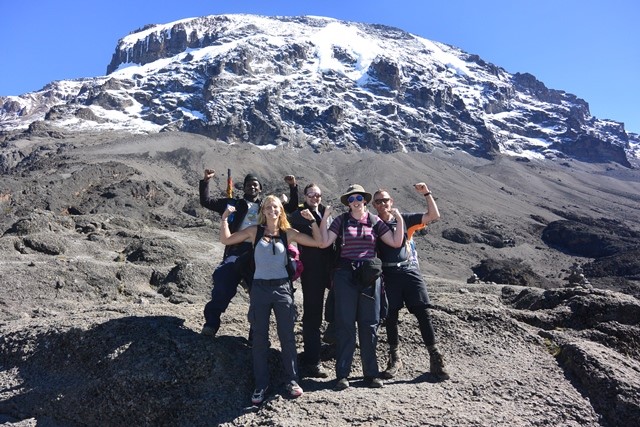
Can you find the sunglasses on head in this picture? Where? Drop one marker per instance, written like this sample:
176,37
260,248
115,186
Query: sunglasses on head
381,201
314,195
357,197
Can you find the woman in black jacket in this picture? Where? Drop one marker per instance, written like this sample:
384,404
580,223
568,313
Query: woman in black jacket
315,279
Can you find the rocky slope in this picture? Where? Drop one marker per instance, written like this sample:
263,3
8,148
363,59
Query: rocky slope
106,267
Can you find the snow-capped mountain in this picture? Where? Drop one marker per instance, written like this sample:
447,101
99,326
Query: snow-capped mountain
320,82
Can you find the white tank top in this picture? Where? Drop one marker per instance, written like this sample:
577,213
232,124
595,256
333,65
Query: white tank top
270,260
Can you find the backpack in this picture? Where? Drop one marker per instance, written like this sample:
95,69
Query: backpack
293,261
411,244
245,264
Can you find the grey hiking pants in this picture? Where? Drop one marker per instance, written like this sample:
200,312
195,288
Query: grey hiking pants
355,306
265,296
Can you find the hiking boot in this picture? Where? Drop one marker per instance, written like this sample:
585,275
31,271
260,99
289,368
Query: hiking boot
342,384
258,395
373,382
315,371
393,366
294,390
209,331
436,366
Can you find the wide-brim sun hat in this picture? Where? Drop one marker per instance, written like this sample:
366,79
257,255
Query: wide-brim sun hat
355,189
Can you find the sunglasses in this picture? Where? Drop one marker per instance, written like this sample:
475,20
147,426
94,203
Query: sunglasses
381,201
357,197
314,195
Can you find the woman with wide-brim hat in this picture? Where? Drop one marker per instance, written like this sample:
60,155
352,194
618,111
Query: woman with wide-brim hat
358,231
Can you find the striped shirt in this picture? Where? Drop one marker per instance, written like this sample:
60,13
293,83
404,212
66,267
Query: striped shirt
360,236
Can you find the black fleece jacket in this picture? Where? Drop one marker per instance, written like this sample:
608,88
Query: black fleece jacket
220,205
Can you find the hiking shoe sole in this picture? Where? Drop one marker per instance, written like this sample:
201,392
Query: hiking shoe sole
373,382
258,396
209,331
342,384
392,369
314,371
294,390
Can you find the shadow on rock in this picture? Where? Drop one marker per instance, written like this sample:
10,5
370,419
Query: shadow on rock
126,371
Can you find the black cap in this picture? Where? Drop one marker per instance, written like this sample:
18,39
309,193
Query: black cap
251,177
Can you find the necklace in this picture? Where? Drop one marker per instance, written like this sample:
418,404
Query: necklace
270,237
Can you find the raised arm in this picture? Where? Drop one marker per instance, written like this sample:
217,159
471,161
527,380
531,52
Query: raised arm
304,239
292,204
328,237
432,214
395,238
206,201
226,238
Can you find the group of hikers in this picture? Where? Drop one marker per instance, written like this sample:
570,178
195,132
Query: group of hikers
366,262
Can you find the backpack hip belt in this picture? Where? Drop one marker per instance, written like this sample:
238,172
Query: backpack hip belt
396,264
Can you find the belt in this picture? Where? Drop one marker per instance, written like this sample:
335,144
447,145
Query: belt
396,264
270,282
345,263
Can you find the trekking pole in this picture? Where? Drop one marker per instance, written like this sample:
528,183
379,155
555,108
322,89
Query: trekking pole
230,192
229,184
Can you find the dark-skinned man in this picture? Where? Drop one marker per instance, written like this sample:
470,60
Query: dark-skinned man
226,277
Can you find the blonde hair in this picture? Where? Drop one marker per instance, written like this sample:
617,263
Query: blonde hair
283,223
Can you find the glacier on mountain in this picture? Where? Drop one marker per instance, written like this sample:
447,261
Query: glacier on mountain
323,83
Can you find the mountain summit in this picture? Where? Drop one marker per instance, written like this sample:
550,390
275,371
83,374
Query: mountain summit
320,82
533,269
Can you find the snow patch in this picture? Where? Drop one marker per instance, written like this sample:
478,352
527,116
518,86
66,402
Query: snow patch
352,41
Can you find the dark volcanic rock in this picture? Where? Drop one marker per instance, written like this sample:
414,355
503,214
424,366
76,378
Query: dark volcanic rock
47,244
39,221
457,235
155,250
485,235
624,264
110,381
184,278
108,332
588,308
511,271
609,381
589,237
610,321
615,247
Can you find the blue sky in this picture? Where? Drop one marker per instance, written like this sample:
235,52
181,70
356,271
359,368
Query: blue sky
590,48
